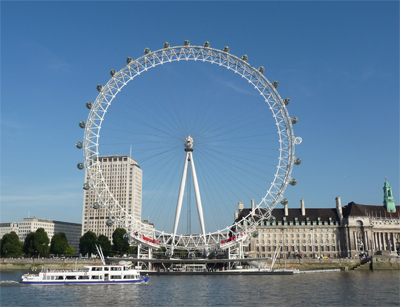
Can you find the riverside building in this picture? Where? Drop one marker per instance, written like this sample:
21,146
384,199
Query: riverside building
328,232
72,231
123,177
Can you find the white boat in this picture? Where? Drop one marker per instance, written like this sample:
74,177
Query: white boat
94,274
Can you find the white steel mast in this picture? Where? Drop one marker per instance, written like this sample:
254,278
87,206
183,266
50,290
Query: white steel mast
189,158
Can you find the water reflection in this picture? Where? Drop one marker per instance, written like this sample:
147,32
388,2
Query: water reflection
380,288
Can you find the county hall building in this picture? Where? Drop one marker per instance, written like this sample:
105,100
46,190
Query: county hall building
343,231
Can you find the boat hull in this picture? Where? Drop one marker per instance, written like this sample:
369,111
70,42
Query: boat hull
108,282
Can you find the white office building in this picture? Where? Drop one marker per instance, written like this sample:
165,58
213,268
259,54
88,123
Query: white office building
123,177
31,224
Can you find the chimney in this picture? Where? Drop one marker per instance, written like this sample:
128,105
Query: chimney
339,208
303,209
236,215
240,206
252,205
285,207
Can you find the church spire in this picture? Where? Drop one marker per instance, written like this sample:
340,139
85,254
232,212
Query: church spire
388,200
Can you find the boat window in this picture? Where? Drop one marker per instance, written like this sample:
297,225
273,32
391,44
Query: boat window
83,277
116,277
106,268
59,277
95,277
52,277
70,277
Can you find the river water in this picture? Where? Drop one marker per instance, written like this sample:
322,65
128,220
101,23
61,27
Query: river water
352,288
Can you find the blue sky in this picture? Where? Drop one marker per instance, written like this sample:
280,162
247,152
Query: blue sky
337,61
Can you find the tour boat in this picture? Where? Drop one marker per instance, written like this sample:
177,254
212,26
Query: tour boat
122,273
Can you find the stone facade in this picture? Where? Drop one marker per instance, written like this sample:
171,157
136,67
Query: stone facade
329,232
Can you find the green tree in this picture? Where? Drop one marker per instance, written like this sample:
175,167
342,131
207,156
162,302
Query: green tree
70,251
41,243
120,244
105,245
10,246
87,243
28,247
59,244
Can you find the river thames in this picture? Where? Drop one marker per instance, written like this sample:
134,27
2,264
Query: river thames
351,288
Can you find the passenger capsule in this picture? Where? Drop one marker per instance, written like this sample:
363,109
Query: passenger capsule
294,120
293,182
96,205
254,234
126,237
275,84
261,69
82,124
80,166
245,57
128,59
112,72
147,50
226,49
272,218
284,201
88,105
286,101
166,45
207,44
109,223
79,145
99,87
86,186
297,161
186,43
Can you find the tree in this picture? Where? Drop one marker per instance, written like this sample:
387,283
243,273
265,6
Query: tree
59,244
28,247
41,243
10,245
87,243
120,244
105,245
70,251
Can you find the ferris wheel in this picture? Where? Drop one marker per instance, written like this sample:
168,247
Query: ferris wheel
227,139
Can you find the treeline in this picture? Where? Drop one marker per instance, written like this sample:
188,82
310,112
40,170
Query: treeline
89,240
37,244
